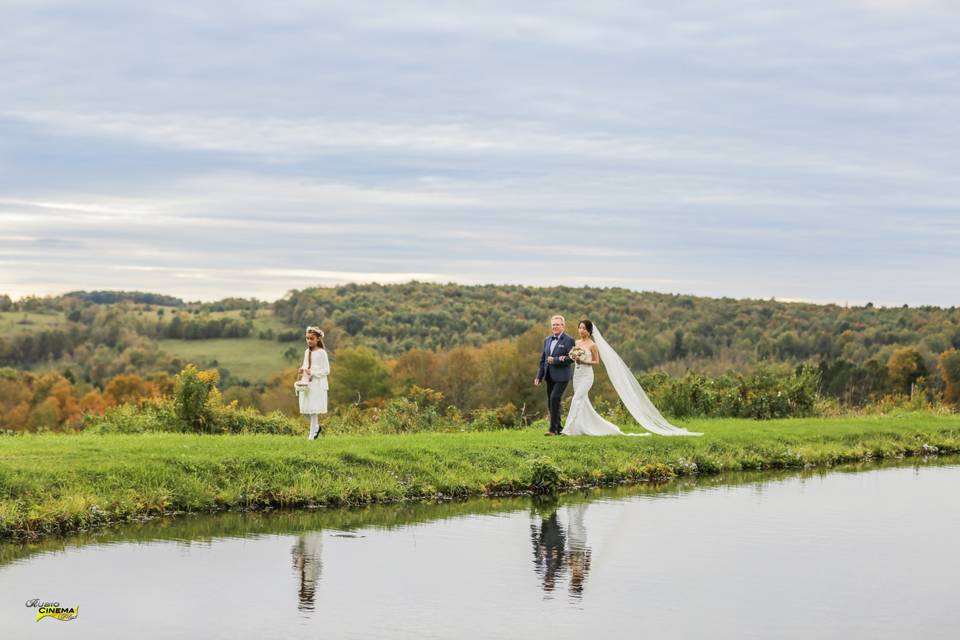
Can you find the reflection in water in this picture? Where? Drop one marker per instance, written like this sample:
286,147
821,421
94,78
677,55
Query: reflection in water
549,540
308,563
884,538
214,527
577,551
559,550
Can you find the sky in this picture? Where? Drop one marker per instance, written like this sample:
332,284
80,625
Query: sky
746,148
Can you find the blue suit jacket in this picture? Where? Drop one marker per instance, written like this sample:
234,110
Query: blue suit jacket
559,371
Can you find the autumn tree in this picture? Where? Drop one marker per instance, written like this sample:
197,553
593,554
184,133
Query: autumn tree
93,402
904,368
279,394
128,388
949,366
415,368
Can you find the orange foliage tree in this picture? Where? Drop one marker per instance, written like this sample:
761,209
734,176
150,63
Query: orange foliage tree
949,366
129,388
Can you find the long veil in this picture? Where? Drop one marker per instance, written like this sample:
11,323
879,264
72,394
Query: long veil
632,395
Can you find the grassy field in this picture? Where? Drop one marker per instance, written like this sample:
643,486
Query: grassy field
61,483
14,322
249,359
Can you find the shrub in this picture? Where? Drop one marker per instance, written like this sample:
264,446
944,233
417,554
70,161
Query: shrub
425,397
192,397
509,416
484,420
161,415
545,476
152,415
401,415
656,472
233,419
505,416
762,395
195,406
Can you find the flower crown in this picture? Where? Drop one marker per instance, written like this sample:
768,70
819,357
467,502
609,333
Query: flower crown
316,330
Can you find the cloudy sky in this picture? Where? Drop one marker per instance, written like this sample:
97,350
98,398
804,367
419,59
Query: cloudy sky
746,148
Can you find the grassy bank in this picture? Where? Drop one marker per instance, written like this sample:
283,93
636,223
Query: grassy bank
58,484
238,524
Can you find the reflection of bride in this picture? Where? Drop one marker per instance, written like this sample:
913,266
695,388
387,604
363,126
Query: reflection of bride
583,419
578,553
559,551
308,563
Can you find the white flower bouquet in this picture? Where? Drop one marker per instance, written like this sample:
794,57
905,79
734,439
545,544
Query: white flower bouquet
576,353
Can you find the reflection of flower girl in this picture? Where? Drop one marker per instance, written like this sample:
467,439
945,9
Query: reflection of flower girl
308,562
312,385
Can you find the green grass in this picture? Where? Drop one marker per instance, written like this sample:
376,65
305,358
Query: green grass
249,359
16,322
61,483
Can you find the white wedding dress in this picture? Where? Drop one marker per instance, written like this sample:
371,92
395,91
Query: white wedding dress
583,419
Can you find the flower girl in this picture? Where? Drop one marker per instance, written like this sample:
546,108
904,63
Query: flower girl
312,385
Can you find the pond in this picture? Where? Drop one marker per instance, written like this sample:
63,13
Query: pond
867,552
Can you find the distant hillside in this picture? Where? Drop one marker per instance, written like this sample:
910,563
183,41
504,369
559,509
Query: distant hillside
650,329
145,333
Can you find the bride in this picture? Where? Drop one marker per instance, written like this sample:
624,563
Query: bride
583,419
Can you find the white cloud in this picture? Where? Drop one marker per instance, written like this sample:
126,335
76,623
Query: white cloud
743,148
894,5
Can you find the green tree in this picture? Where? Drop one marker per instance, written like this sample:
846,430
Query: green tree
358,376
678,350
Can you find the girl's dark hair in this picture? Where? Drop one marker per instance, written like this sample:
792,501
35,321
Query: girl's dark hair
319,335
588,325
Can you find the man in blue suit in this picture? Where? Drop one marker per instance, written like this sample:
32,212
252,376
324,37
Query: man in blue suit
555,369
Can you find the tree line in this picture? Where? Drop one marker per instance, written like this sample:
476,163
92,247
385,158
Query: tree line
477,387
438,336
650,329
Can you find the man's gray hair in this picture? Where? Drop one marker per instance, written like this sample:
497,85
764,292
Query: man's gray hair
562,319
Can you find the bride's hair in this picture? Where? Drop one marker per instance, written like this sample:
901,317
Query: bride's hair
588,325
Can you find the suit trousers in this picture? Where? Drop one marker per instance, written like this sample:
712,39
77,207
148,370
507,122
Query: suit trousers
554,395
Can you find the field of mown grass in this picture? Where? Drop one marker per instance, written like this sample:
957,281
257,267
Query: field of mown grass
14,322
249,359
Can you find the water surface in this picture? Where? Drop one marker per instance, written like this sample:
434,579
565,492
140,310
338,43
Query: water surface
864,554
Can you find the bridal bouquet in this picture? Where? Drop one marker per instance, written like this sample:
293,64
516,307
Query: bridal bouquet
576,353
